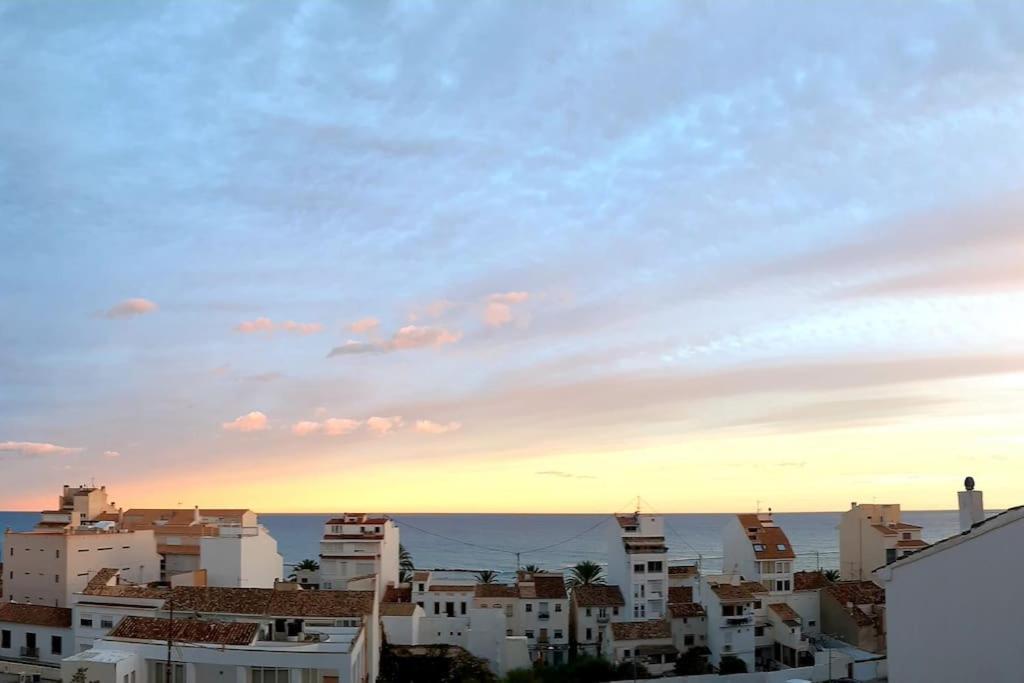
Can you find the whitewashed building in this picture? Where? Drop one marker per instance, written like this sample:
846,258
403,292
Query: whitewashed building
241,557
871,535
729,608
355,545
592,608
643,642
35,633
636,563
954,608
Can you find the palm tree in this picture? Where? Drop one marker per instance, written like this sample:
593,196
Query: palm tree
305,565
531,569
586,573
405,565
486,576
832,575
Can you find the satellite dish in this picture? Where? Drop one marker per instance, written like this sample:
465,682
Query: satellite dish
969,483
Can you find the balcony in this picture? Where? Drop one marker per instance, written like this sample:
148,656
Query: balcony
30,652
740,620
602,618
543,616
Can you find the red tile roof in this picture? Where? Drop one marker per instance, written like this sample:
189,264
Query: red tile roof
809,581
727,592
187,630
679,610
770,537
102,577
496,590
35,615
597,596
785,612
911,543
544,586
641,630
451,588
680,594
685,570
398,594
397,609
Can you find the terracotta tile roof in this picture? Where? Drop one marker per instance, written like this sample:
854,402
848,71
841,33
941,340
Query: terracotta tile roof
641,630
680,594
187,630
883,530
754,587
598,596
398,594
809,581
911,543
679,610
102,577
857,592
785,612
544,586
251,601
685,570
904,525
627,520
397,609
771,539
452,588
421,576
496,590
727,592
35,615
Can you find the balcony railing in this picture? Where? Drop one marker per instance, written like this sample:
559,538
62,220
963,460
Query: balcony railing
543,616
602,618
30,652
743,620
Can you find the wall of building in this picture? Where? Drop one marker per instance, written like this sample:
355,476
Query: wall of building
43,635
737,552
954,614
241,558
47,568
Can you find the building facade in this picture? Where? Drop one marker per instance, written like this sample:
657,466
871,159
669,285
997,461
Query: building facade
356,545
637,564
871,535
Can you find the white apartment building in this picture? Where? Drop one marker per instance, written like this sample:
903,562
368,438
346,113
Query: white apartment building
179,532
48,566
79,506
636,563
356,545
244,635
592,608
729,608
871,535
953,609
757,550
241,557
35,633
687,617
644,642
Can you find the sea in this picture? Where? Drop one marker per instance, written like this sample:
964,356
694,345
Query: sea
558,541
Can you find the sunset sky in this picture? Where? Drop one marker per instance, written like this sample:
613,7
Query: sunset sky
512,256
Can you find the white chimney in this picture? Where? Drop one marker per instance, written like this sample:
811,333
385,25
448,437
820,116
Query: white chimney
972,510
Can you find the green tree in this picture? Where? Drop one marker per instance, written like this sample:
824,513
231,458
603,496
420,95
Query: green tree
732,665
831,574
693,662
486,576
308,564
405,564
586,573
531,569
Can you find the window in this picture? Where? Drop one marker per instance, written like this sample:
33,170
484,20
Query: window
462,608
508,610
421,588
58,553
758,547
269,675
558,634
56,645
85,621
56,578
558,607
160,672
106,622
437,608
615,611
906,535
812,622
529,607
638,568
654,566
781,546
590,635
890,555
757,604
588,612
625,653
5,639
688,639
759,631
529,634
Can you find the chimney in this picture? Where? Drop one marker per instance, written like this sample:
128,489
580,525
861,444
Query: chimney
196,518
972,511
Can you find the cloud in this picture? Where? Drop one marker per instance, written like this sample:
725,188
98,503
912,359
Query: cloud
498,310
130,308
384,425
255,326
408,337
267,325
334,426
32,448
431,427
250,422
306,427
111,454
563,475
364,325
432,311
264,377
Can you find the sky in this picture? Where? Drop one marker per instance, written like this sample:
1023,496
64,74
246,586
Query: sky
512,257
